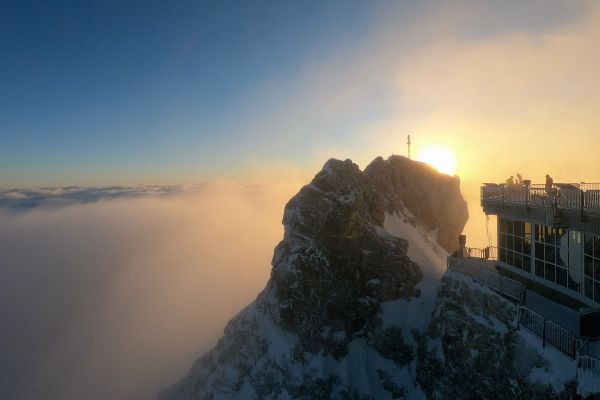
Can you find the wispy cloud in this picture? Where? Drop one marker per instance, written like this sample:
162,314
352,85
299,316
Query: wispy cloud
26,198
511,87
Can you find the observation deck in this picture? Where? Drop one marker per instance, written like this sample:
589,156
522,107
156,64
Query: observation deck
572,205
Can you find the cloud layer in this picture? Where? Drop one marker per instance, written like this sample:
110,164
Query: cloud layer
114,299
54,197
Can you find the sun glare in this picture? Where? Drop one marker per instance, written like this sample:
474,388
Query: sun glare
441,158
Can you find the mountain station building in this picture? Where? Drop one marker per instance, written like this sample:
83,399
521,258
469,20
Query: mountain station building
549,236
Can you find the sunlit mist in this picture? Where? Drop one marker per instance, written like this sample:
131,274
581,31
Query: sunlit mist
441,158
115,299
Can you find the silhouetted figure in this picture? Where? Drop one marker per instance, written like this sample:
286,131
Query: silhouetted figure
510,182
519,180
549,183
552,195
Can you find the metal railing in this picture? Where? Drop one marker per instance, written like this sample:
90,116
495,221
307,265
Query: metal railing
549,331
571,199
512,288
561,338
487,253
588,363
502,284
591,200
588,375
492,279
564,340
573,196
531,321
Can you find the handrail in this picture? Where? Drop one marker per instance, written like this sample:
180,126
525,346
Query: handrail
502,284
588,362
584,197
487,253
531,321
589,186
564,340
560,337
548,330
588,375
577,185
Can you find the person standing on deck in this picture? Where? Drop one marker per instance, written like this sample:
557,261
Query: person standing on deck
552,194
549,183
519,180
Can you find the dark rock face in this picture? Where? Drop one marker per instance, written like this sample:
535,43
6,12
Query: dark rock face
331,272
334,267
480,354
432,197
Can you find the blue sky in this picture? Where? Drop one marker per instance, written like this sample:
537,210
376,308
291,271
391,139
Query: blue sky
87,85
109,92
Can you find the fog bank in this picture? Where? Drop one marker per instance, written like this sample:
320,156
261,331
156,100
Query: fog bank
115,298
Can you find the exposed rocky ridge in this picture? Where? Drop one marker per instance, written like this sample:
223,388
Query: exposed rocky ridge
432,197
472,350
334,267
318,329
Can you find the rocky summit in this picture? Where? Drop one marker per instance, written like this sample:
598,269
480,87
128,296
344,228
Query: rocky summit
334,267
359,305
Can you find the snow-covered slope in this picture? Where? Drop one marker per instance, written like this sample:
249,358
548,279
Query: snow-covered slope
359,304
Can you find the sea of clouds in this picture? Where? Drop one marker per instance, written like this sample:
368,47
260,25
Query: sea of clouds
112,292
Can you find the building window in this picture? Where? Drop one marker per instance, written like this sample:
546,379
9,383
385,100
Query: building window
561,276
539,268
514,239
552,249
591,266
558,256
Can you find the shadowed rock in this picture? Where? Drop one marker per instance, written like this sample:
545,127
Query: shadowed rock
331,273
432,197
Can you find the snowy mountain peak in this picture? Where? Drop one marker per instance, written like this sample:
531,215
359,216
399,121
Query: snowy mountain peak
352,309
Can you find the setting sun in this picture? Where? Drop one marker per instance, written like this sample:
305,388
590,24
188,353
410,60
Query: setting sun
441,158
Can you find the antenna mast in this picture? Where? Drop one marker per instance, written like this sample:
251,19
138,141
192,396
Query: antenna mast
408,143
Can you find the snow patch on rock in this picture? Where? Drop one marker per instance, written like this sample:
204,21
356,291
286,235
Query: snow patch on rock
415,313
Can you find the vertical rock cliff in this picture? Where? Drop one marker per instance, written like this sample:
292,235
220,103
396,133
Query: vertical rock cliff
356,307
